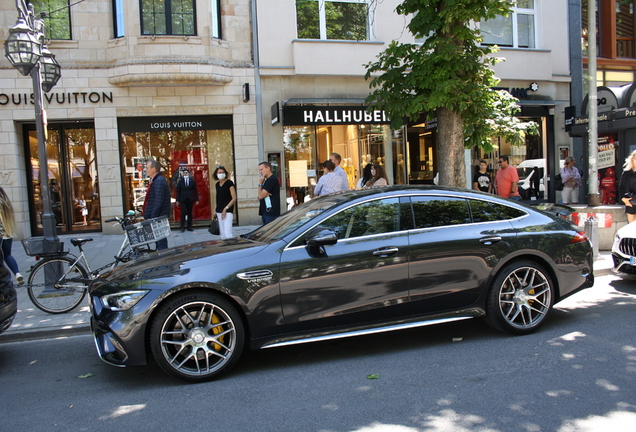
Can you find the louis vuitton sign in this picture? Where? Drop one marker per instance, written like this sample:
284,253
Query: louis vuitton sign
59,98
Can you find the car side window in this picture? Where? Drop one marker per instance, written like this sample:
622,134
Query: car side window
435,211
507,213
372,217
483,211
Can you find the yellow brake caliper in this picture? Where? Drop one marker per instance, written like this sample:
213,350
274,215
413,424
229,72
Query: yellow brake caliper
216,331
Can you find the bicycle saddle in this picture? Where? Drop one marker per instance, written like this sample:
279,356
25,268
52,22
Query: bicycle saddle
80,241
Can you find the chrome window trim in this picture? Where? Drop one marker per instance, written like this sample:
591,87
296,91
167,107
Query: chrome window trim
409,194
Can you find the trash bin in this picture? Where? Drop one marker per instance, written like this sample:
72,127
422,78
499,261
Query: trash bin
591,230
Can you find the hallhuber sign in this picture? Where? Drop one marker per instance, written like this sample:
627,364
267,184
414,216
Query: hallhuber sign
332,115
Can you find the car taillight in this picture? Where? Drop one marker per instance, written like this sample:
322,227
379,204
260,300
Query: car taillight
579,237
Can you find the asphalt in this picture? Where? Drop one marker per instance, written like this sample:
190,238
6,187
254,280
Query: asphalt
32,323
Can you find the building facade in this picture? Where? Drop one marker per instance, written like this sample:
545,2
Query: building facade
138,81
311,57
195,88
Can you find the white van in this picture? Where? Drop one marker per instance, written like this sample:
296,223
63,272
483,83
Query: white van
526,170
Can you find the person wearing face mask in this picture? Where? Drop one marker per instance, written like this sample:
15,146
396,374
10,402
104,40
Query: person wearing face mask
225,200
187,196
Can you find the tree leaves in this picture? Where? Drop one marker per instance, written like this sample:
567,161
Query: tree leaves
450,71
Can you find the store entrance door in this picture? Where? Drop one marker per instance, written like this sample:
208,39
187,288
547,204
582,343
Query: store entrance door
73,181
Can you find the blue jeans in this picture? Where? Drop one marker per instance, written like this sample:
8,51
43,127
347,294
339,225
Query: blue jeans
267,219
6,250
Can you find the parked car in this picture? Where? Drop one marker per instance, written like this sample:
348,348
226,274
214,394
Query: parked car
343,264
624,250
8,297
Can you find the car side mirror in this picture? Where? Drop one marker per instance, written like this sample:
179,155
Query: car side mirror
321,237
318,238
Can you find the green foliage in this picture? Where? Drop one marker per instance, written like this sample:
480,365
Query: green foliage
449,70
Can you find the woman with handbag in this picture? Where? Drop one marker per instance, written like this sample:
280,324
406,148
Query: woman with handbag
225,200
627,187
571,178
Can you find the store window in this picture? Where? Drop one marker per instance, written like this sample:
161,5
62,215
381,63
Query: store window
528,158
170,17
73,178
57,20
198,143
333,19
516,30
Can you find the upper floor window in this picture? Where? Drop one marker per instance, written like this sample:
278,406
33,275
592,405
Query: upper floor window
118,18
516,30
168,17
615,29
57,23
333,19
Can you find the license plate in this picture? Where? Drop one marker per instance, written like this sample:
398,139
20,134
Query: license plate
632,261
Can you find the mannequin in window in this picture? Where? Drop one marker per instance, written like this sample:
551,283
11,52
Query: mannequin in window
401,173
351,173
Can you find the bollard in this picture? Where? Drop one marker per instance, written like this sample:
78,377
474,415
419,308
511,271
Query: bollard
591,230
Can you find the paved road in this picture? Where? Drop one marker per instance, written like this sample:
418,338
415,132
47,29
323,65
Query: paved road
578,373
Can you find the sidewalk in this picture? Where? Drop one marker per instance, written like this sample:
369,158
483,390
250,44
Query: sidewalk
32,323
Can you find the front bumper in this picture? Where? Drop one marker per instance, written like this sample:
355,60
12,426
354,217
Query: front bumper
119,336
623,264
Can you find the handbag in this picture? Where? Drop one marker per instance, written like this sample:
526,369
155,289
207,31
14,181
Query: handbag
214,227
558,182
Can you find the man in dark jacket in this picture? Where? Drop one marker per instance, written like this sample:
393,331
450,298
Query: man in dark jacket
157,202
187,195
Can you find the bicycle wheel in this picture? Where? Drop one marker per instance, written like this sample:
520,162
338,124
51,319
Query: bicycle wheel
56,286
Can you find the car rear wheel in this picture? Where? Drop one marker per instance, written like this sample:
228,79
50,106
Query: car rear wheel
520,299
197,336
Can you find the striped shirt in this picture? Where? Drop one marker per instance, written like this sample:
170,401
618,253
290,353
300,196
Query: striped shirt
327,184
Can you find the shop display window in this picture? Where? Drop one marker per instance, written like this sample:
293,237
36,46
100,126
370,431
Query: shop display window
199,151
73,178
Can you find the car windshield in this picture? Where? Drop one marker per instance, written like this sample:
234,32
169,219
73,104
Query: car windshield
294,218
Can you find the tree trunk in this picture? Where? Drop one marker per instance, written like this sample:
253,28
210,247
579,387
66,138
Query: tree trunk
450,138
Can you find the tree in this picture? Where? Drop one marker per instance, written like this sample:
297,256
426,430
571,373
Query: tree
448,76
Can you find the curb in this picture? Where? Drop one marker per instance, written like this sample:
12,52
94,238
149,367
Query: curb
48,333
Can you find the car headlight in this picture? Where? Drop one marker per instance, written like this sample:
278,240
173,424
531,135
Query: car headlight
124,300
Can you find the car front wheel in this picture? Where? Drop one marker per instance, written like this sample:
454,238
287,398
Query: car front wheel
520,299
197,336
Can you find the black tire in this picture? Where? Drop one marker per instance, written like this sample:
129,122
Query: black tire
197,336
50,291
520,298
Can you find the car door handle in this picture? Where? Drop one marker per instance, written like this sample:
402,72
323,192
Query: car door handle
490,240
385,252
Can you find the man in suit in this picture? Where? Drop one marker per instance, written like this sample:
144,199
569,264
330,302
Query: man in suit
187,195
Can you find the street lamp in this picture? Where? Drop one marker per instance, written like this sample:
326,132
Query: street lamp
27,52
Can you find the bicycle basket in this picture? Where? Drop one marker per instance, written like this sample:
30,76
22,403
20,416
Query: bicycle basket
148,231
40,246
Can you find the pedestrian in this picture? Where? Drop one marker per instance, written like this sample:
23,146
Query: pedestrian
379,176
81,203
339,171
481,179
329,182
506,180
225,200
187,197
7,230
268,193
365,181
157,201
571,178
627,187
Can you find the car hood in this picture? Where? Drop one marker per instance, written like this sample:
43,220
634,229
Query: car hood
181,258
628,230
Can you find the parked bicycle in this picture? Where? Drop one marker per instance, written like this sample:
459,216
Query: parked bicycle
59,282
